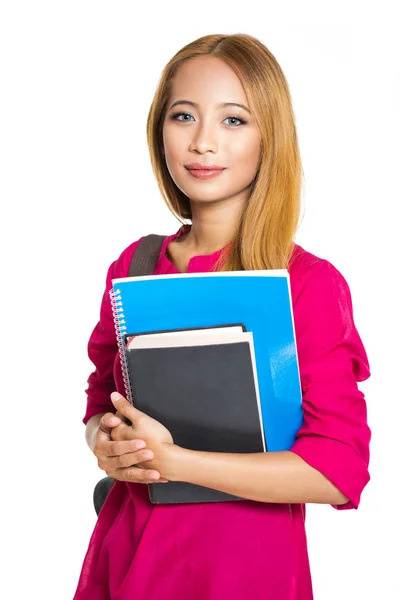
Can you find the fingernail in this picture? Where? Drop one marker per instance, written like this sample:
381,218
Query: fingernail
154,475
115,396
113,420
140,445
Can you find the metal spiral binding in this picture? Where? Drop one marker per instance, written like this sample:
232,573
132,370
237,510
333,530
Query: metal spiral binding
120,330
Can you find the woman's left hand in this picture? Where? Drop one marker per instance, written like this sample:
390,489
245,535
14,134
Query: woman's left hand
158,438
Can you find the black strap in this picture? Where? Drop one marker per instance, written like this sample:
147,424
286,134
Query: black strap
145,257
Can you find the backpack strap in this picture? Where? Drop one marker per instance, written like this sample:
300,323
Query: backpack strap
146,255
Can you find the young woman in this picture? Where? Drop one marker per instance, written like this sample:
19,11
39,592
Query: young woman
223,102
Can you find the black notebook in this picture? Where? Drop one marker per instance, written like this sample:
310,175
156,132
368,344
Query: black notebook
202,385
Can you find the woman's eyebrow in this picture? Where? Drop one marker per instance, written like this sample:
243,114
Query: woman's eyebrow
222,105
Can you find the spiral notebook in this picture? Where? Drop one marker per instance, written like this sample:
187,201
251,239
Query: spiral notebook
260,300
202,385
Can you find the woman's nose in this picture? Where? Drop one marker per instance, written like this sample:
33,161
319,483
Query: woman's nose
204,138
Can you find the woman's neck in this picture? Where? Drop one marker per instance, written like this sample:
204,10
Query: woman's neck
212,230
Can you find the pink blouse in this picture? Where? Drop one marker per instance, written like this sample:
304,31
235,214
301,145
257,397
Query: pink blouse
246,549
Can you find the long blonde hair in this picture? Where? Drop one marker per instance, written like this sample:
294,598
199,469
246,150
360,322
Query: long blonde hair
264,237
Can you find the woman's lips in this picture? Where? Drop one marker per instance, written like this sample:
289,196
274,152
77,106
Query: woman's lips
205,173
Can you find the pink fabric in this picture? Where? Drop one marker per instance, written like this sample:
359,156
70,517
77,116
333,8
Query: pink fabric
244,549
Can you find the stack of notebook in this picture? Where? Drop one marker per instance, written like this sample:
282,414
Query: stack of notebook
212,356
202,385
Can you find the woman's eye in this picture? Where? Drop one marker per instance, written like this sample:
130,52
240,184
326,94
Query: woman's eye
177,116
235,119
181,115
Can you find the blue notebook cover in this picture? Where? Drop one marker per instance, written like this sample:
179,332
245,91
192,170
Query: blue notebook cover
261,300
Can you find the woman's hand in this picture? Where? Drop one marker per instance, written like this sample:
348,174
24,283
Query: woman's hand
158,439
118,457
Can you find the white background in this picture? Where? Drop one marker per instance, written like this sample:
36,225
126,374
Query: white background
77,79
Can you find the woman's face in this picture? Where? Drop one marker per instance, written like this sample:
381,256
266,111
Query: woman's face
207,132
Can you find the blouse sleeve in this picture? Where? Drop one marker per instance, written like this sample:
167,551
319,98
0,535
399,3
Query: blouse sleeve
334,437
102,346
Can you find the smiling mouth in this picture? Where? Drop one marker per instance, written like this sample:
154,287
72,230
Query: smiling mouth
204,167
204,173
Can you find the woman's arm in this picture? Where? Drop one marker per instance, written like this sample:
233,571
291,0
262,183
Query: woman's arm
102,344
281,477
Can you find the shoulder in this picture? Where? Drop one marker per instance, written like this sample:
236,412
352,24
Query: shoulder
310,273
326,333
120,267
304,263
323,312
121,264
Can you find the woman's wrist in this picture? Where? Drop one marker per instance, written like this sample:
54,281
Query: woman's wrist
92,427
178,461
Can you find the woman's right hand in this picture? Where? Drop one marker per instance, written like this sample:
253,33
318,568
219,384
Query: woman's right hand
114,457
